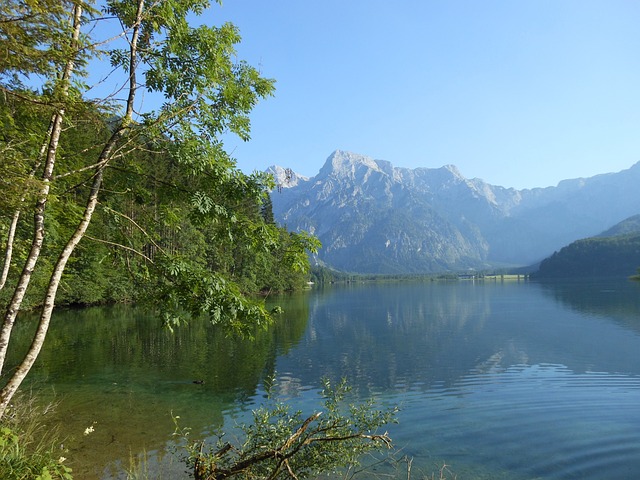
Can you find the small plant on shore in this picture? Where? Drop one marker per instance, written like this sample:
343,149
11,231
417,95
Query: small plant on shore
443,472
283,444
29,447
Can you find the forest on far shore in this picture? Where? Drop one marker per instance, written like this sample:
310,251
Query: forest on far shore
617,256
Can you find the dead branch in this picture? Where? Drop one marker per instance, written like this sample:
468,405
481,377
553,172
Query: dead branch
137,226
291,446
124,247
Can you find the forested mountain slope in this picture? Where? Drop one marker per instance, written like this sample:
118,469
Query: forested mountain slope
615,253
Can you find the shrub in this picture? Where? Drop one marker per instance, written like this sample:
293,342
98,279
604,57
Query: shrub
29,448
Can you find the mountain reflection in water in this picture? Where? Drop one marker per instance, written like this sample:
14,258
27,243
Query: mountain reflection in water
508,380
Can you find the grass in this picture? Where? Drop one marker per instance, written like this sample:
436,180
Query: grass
30,448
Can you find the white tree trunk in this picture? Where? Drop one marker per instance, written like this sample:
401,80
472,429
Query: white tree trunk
9,390
43,196
8,251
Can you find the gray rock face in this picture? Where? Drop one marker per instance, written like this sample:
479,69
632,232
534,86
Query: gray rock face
372,217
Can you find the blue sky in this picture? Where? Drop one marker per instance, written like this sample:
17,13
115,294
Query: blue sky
520,93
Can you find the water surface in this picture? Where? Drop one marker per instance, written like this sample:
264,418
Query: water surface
497,379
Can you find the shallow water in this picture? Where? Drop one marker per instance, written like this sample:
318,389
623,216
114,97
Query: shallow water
498,380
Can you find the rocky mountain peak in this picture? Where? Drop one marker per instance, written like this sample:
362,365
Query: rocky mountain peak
374,217
286,177
345,164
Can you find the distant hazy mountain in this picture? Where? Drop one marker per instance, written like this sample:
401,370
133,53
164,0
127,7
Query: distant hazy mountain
376,218
615,252
628,226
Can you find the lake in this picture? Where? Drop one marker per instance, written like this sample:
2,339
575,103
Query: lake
513,380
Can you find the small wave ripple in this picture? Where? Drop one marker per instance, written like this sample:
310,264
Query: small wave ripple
528,421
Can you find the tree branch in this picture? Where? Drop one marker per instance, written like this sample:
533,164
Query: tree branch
283,453
29,99
137,226
119,245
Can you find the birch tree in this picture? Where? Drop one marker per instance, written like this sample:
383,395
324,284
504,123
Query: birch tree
144,49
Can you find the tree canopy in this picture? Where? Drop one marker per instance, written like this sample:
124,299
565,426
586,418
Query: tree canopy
115,179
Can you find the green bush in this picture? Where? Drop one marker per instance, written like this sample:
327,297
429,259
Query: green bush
283,444
29,448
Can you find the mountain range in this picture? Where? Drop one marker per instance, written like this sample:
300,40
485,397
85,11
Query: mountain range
373,217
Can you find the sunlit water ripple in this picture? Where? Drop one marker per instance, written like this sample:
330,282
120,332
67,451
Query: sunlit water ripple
544,420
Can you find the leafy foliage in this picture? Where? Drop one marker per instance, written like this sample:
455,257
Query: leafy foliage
281,444
32,38
105,199
169,189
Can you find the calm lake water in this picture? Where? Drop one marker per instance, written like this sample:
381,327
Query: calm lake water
513,380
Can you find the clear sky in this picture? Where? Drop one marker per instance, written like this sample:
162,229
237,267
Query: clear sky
520,93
